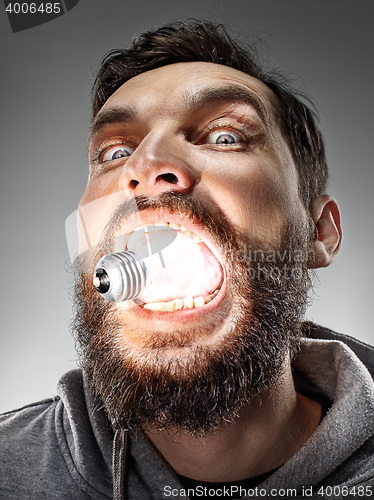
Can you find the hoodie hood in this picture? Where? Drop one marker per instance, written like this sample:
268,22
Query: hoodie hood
332,369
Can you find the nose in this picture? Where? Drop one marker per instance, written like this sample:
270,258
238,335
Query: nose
159,164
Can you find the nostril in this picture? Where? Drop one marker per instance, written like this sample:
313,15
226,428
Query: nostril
170,178
133,184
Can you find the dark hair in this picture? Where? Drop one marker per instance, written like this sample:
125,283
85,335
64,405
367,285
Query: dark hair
208,42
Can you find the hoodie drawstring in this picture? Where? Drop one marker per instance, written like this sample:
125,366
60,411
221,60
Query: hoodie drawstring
119,463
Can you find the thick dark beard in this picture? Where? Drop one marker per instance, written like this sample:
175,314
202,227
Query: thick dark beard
203,386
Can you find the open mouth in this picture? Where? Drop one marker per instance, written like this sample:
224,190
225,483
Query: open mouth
186,273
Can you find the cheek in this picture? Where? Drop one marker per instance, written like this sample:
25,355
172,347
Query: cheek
97,205
252,195
100,186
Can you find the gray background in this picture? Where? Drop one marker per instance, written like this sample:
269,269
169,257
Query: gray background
46,75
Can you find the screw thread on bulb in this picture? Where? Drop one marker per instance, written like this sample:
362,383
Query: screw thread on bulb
120,276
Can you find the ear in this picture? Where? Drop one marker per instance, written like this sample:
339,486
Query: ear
328,231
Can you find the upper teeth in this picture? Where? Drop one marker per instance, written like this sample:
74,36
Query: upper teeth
150,227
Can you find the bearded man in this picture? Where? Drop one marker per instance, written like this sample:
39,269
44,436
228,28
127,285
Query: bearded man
208,384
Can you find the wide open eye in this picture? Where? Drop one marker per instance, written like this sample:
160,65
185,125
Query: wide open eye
222,136
117,152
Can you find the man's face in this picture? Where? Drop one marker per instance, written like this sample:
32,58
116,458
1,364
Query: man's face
199,146
200,129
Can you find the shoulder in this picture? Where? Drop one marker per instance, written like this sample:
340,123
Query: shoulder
27,438
364,352
32,462
30,418
38,420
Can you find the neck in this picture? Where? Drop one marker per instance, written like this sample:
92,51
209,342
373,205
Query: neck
266,433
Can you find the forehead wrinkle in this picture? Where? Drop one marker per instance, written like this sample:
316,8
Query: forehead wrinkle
226,94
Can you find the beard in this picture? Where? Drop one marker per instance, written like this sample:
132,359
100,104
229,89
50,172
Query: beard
197,388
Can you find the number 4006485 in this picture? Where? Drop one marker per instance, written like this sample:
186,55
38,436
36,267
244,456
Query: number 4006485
33,8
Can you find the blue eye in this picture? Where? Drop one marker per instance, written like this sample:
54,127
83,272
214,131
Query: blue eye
223,137
117,152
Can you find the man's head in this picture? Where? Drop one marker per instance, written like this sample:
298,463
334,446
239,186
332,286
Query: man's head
207,42
233,162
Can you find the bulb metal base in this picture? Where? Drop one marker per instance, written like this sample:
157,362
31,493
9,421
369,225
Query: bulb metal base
120,276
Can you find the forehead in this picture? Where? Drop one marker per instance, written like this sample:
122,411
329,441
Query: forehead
175,86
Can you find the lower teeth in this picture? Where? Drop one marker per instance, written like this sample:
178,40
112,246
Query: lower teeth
178,304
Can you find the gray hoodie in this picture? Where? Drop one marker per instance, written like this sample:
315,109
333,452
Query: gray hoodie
65,448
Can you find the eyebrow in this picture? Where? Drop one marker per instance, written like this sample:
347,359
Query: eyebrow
110,116
234,94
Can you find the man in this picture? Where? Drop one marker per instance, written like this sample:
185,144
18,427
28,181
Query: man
224,392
